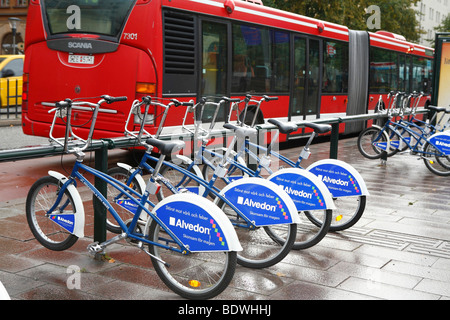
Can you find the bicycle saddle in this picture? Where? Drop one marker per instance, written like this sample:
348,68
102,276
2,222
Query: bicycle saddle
166,147
241,131
319,128
285,128
438,109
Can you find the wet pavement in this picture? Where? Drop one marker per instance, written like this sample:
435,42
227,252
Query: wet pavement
399,250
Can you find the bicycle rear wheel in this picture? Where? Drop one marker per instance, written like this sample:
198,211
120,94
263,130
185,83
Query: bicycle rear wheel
201,275
41,197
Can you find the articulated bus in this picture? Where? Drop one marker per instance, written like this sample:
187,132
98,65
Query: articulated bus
188,49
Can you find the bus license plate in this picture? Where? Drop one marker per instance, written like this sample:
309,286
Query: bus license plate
76,58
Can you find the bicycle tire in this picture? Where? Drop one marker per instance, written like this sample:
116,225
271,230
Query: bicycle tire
437,165
261,250
122,175
395,141
308,235
367,140
340,219
41,197
195,275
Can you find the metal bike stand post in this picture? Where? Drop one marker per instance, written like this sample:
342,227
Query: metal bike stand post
101,163
334,140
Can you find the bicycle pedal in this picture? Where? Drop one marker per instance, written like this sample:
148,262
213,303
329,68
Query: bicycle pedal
95,248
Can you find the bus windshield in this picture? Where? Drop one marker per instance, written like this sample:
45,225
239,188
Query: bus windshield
102,17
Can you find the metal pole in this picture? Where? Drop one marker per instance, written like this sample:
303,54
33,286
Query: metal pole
101,163
334,140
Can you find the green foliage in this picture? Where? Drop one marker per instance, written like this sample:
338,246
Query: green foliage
397,16
444,26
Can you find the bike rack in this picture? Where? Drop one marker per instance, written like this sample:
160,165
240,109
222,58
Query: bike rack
101,147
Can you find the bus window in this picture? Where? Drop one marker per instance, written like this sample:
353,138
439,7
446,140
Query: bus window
214,66
214,59
313,77
246,42
260,60
281,62
299,76
335,67
383,71
421,74
403,78
307,77
104,17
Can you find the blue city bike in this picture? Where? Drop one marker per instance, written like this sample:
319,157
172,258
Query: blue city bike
191,242
433,149
345,184
264,216
403,108
302,183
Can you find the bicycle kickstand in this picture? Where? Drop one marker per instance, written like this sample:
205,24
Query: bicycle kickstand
383,159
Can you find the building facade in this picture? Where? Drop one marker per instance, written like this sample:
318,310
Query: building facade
431,13
16,9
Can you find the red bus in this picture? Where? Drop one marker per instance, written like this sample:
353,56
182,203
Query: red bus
187,49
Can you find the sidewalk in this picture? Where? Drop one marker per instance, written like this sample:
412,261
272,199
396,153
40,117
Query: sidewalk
399,250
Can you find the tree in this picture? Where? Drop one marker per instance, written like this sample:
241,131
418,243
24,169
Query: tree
444,26
397,16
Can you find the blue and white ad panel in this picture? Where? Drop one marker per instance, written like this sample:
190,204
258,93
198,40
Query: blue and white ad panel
261,201
304,188
441,141
341,179
197,223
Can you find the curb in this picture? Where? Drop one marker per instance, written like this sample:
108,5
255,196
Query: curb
10,122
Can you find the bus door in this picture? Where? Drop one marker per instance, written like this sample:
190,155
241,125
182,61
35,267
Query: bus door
214,73
307,77
214,82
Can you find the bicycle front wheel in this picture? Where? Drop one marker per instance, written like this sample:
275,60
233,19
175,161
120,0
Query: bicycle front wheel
309,234
372,142
201,275
348,212
439,165
264,246
41,197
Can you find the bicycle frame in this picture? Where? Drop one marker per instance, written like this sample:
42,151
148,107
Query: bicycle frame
419,137
124,190
247,149
246,218
209,186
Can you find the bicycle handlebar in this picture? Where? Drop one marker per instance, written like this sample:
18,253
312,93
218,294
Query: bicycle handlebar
64,109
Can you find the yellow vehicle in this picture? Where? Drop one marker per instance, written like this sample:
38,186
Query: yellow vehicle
11,70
